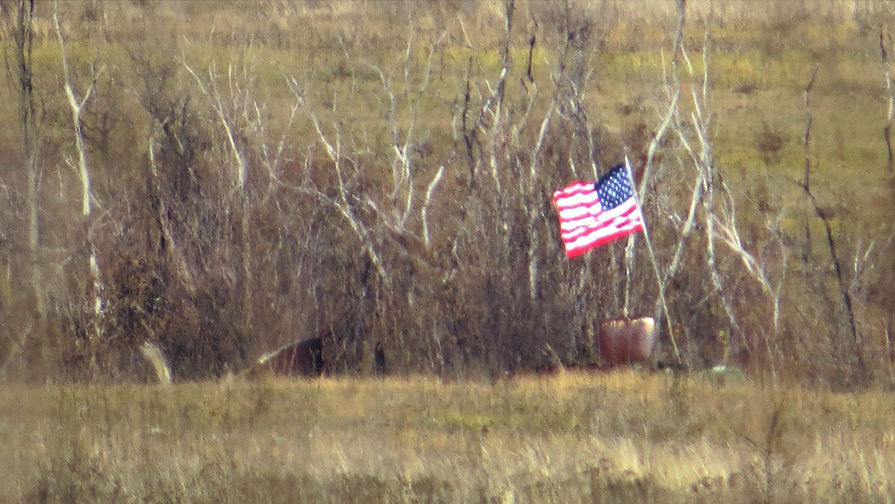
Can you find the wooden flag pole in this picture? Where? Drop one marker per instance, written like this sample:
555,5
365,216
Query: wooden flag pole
649,247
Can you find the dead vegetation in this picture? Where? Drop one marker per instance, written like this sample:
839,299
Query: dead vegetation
216,184
571,437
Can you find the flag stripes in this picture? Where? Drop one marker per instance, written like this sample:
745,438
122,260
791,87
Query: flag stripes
584,221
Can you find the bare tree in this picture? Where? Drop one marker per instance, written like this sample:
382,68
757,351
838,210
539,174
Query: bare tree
844,290
673,93
711,197
20,68
227,109
885,42
76,102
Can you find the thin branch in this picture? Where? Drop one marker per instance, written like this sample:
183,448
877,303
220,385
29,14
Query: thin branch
886,64
825,219
675,91
424,211
217,104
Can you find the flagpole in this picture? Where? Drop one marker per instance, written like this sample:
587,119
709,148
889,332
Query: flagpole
649,247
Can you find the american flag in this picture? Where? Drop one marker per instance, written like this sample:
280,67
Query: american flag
594,214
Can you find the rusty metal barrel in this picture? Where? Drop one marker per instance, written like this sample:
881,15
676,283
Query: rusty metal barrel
627,340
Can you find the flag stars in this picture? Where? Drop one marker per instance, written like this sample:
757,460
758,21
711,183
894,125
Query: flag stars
614,187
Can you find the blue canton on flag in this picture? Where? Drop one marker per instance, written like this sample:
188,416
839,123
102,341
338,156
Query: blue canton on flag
614,188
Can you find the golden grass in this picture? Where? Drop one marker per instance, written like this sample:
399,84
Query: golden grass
573,437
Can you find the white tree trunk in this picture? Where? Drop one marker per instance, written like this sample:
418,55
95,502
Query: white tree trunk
94,286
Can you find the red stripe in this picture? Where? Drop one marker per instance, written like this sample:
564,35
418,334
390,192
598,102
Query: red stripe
574,252
601,235
596,222
583,223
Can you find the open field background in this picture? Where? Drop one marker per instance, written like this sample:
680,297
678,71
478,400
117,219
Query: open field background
570,437
218,181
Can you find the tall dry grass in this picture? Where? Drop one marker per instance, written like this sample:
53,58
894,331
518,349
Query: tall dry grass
624,436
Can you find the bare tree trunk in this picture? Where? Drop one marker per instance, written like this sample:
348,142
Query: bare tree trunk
23,37
673,88
890,90
20,26
239,97
837,266
94,285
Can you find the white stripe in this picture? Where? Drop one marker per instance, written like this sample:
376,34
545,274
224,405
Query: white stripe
604,227
600,233
568,214
575,187
578,199
568,223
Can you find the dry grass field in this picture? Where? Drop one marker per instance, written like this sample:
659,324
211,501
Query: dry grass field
623,436
380,171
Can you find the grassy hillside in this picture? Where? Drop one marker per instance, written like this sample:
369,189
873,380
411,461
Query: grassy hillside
379,173
571,437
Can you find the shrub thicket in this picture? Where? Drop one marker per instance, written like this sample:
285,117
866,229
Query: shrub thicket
380,174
